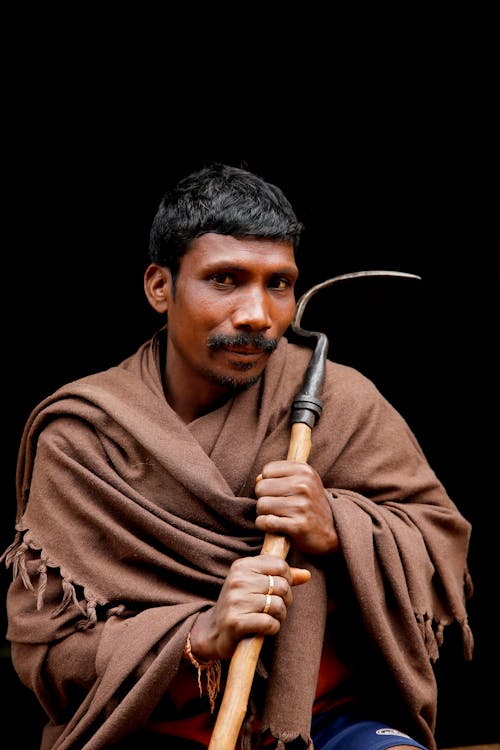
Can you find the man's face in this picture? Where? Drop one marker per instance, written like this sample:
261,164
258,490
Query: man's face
233,301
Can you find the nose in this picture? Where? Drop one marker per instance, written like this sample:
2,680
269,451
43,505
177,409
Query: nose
253,310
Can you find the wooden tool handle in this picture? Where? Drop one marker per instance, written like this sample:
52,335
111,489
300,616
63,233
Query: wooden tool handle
246,655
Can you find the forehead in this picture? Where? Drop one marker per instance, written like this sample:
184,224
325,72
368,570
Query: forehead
218,250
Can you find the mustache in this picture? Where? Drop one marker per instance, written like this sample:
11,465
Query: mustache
250,340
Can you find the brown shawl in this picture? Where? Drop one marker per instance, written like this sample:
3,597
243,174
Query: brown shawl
128,521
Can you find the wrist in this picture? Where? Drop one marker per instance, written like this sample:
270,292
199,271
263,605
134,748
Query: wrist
210,668
202,638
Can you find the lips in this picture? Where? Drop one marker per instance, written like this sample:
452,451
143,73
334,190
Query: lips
243,352
243,357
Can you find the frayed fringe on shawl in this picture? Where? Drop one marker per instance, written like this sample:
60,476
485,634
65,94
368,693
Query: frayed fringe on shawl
434,640
467,638
284,737
15,556
424,621
252,739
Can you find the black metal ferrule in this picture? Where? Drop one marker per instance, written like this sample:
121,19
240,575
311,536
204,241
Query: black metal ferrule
307,406
307,409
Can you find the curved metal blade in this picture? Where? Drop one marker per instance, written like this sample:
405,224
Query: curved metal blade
299,310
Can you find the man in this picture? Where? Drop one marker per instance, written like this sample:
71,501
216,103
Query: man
145,491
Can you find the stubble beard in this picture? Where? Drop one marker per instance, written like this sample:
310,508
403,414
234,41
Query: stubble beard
230,383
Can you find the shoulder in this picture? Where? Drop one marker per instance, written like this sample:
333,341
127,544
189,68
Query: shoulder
342,380
339,379
66,434
135,379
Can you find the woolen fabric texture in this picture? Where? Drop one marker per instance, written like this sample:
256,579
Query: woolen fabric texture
128,521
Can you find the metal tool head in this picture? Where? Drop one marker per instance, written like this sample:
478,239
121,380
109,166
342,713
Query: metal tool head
307,405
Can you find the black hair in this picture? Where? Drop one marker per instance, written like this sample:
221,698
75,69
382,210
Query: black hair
225,200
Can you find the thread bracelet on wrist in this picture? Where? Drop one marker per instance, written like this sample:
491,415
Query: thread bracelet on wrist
212,669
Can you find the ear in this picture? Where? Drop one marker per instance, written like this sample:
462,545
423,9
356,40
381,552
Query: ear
158,287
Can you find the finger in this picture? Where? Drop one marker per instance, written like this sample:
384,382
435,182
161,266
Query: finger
275,469
261,574
267,605
266,564
281,504
273,606
279,587
283,487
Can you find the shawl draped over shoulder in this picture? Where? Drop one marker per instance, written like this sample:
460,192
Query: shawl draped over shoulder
128,520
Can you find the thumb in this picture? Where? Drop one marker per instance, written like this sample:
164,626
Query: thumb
299,575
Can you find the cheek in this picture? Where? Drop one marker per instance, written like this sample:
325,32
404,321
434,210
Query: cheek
285,315
196,317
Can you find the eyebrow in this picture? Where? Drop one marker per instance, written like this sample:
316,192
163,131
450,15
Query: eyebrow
230,266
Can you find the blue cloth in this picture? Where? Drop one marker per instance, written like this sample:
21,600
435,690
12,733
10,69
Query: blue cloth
348,731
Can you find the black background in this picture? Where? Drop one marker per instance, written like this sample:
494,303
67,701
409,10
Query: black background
388,153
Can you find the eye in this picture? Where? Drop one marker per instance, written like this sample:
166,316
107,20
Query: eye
222,279
280,282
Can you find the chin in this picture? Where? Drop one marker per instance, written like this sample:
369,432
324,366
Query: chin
235,384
